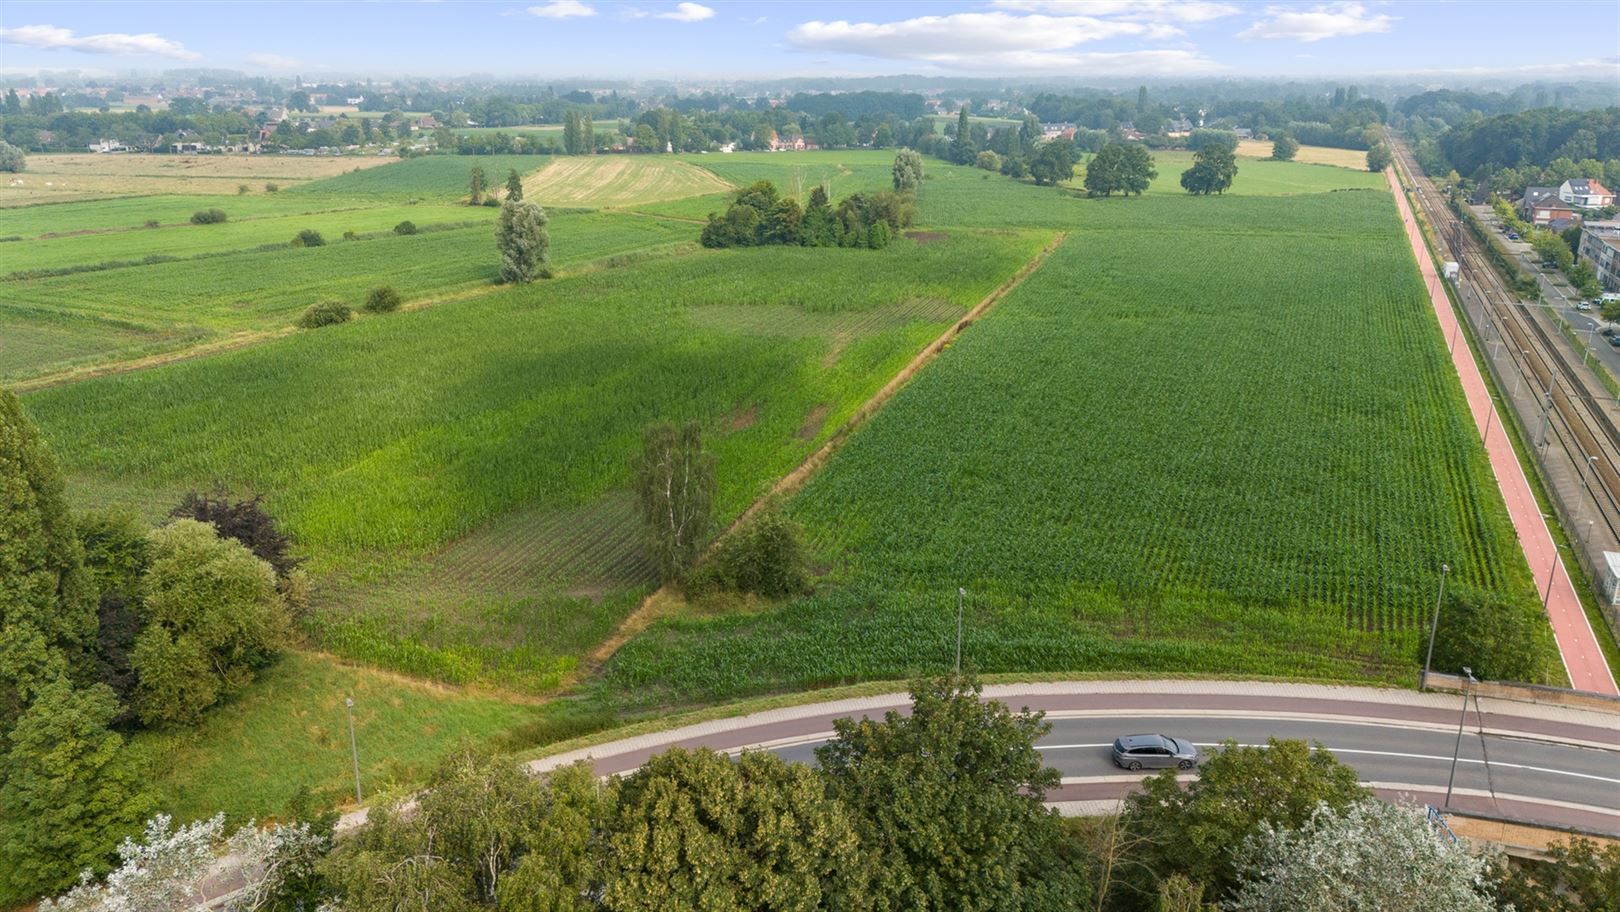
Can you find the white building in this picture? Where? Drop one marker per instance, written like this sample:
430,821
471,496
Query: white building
1586,193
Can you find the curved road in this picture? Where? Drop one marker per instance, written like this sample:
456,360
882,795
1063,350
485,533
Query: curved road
1530,763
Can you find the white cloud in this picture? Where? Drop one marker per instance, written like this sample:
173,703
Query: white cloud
1333,20
274,61
562,9
961,37
688,12
53,38
1158,10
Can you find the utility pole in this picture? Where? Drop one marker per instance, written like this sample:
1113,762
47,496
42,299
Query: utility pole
354,750
1434,626
961,594
1451,780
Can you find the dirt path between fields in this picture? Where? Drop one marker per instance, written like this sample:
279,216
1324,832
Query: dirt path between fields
663,600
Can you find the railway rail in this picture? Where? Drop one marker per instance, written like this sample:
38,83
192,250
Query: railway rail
1569,408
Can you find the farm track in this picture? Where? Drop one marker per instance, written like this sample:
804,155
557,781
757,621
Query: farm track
655,603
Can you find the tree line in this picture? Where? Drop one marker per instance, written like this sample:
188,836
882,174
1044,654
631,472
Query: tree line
107,626
760,215
940,808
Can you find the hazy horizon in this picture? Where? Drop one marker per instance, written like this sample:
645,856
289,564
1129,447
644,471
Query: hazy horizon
718,42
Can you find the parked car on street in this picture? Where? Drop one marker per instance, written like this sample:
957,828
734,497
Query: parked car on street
1135,752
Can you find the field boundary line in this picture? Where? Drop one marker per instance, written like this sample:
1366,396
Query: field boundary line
650,607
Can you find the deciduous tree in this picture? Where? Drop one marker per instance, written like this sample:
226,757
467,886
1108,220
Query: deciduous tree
697,830
1379,157
47,599
69,793
213,618
949,804
525,246
675,490
476,183
1370,855
1199,830
908,171
1284,148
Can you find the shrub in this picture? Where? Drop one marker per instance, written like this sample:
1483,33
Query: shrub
351,236
241,189
208,217
988,161
491,203
271,188
151,223
405,227
382,299
325,313
244,521
309,237
214,618
765,557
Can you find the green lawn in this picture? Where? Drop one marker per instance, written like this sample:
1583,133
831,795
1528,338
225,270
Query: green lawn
290,729
430,177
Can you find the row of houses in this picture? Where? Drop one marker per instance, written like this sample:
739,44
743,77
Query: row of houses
1557,208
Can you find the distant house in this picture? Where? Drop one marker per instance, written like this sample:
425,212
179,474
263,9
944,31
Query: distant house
356,100
108,146
1128,131
1600,247
1585,193
1541,206
1054,130
1244,133
790,144
728,148
1181,126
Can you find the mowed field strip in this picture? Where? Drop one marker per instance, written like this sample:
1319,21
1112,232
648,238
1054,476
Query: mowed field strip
618,180
60,178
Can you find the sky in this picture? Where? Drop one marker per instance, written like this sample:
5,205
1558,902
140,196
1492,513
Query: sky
717,40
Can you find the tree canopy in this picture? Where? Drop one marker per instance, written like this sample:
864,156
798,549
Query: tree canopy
1120,167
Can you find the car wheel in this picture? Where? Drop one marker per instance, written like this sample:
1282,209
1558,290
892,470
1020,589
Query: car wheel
1186,764
1134,766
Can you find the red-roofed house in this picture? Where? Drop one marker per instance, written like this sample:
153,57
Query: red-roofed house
1586,193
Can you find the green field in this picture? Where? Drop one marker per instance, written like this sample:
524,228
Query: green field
58,322
1209,435
1262,477
432,177
383,441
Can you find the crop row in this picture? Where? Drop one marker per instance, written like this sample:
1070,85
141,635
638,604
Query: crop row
1173,448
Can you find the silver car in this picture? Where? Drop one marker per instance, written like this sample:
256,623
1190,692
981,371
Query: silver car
1135,752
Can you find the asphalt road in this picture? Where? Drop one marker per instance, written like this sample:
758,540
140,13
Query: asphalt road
1518,761
1545,775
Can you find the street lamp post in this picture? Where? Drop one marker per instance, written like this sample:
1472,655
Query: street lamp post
1522,368
1586,479
1552,569
1455,751
961,594
1434,625
354,749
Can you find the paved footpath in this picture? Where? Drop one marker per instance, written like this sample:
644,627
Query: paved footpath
1577,643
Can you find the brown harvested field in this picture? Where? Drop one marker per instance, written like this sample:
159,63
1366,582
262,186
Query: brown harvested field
618,180
1310,155
60,178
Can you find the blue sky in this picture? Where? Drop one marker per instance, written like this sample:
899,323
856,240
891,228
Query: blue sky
718,39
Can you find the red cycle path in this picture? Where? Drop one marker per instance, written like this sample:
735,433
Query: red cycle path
1577,644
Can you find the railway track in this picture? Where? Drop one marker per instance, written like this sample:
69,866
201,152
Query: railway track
1570,410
